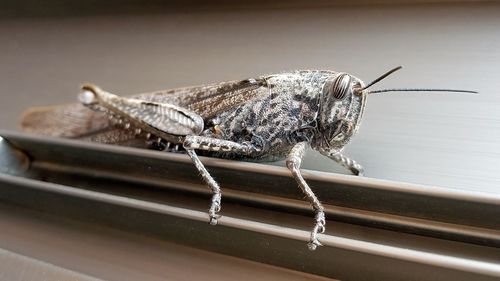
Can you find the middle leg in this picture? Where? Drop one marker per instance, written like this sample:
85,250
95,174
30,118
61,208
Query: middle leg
293,163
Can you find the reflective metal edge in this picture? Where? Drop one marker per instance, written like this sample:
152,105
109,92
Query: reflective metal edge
437,204
282,246
262,240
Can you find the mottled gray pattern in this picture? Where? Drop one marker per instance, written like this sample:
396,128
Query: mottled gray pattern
277,120
263,119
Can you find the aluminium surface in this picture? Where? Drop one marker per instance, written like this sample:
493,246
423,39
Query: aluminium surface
18,267
155,194
38,246
62,161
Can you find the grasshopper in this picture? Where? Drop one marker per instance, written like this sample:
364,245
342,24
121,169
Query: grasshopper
268,118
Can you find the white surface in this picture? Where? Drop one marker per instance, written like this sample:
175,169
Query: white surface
441,139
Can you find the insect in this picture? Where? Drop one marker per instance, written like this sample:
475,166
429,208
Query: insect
267,118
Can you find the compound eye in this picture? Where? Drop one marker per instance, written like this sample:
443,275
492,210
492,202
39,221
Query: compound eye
342,86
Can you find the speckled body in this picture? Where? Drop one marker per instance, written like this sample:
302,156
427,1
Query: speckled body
262,119
272,112
267,118
283,117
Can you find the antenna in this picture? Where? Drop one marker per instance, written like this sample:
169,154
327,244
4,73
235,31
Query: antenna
383,76
422,90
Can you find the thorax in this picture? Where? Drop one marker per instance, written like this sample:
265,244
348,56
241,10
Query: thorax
276,121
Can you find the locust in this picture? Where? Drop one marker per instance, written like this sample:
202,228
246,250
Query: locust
268,118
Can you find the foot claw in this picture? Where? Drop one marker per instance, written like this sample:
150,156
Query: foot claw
312,245
213,220
357,170
319,227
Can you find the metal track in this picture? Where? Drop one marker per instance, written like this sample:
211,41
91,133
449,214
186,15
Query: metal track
376,229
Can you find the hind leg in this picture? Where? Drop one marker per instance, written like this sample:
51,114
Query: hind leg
210,144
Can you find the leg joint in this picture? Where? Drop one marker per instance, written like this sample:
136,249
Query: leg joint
293,162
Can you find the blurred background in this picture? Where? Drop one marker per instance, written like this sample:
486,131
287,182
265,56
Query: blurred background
49,48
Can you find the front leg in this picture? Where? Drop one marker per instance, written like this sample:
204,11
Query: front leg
211,144
293,162
347,162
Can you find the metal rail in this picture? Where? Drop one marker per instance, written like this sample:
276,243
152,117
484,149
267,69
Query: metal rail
377,229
